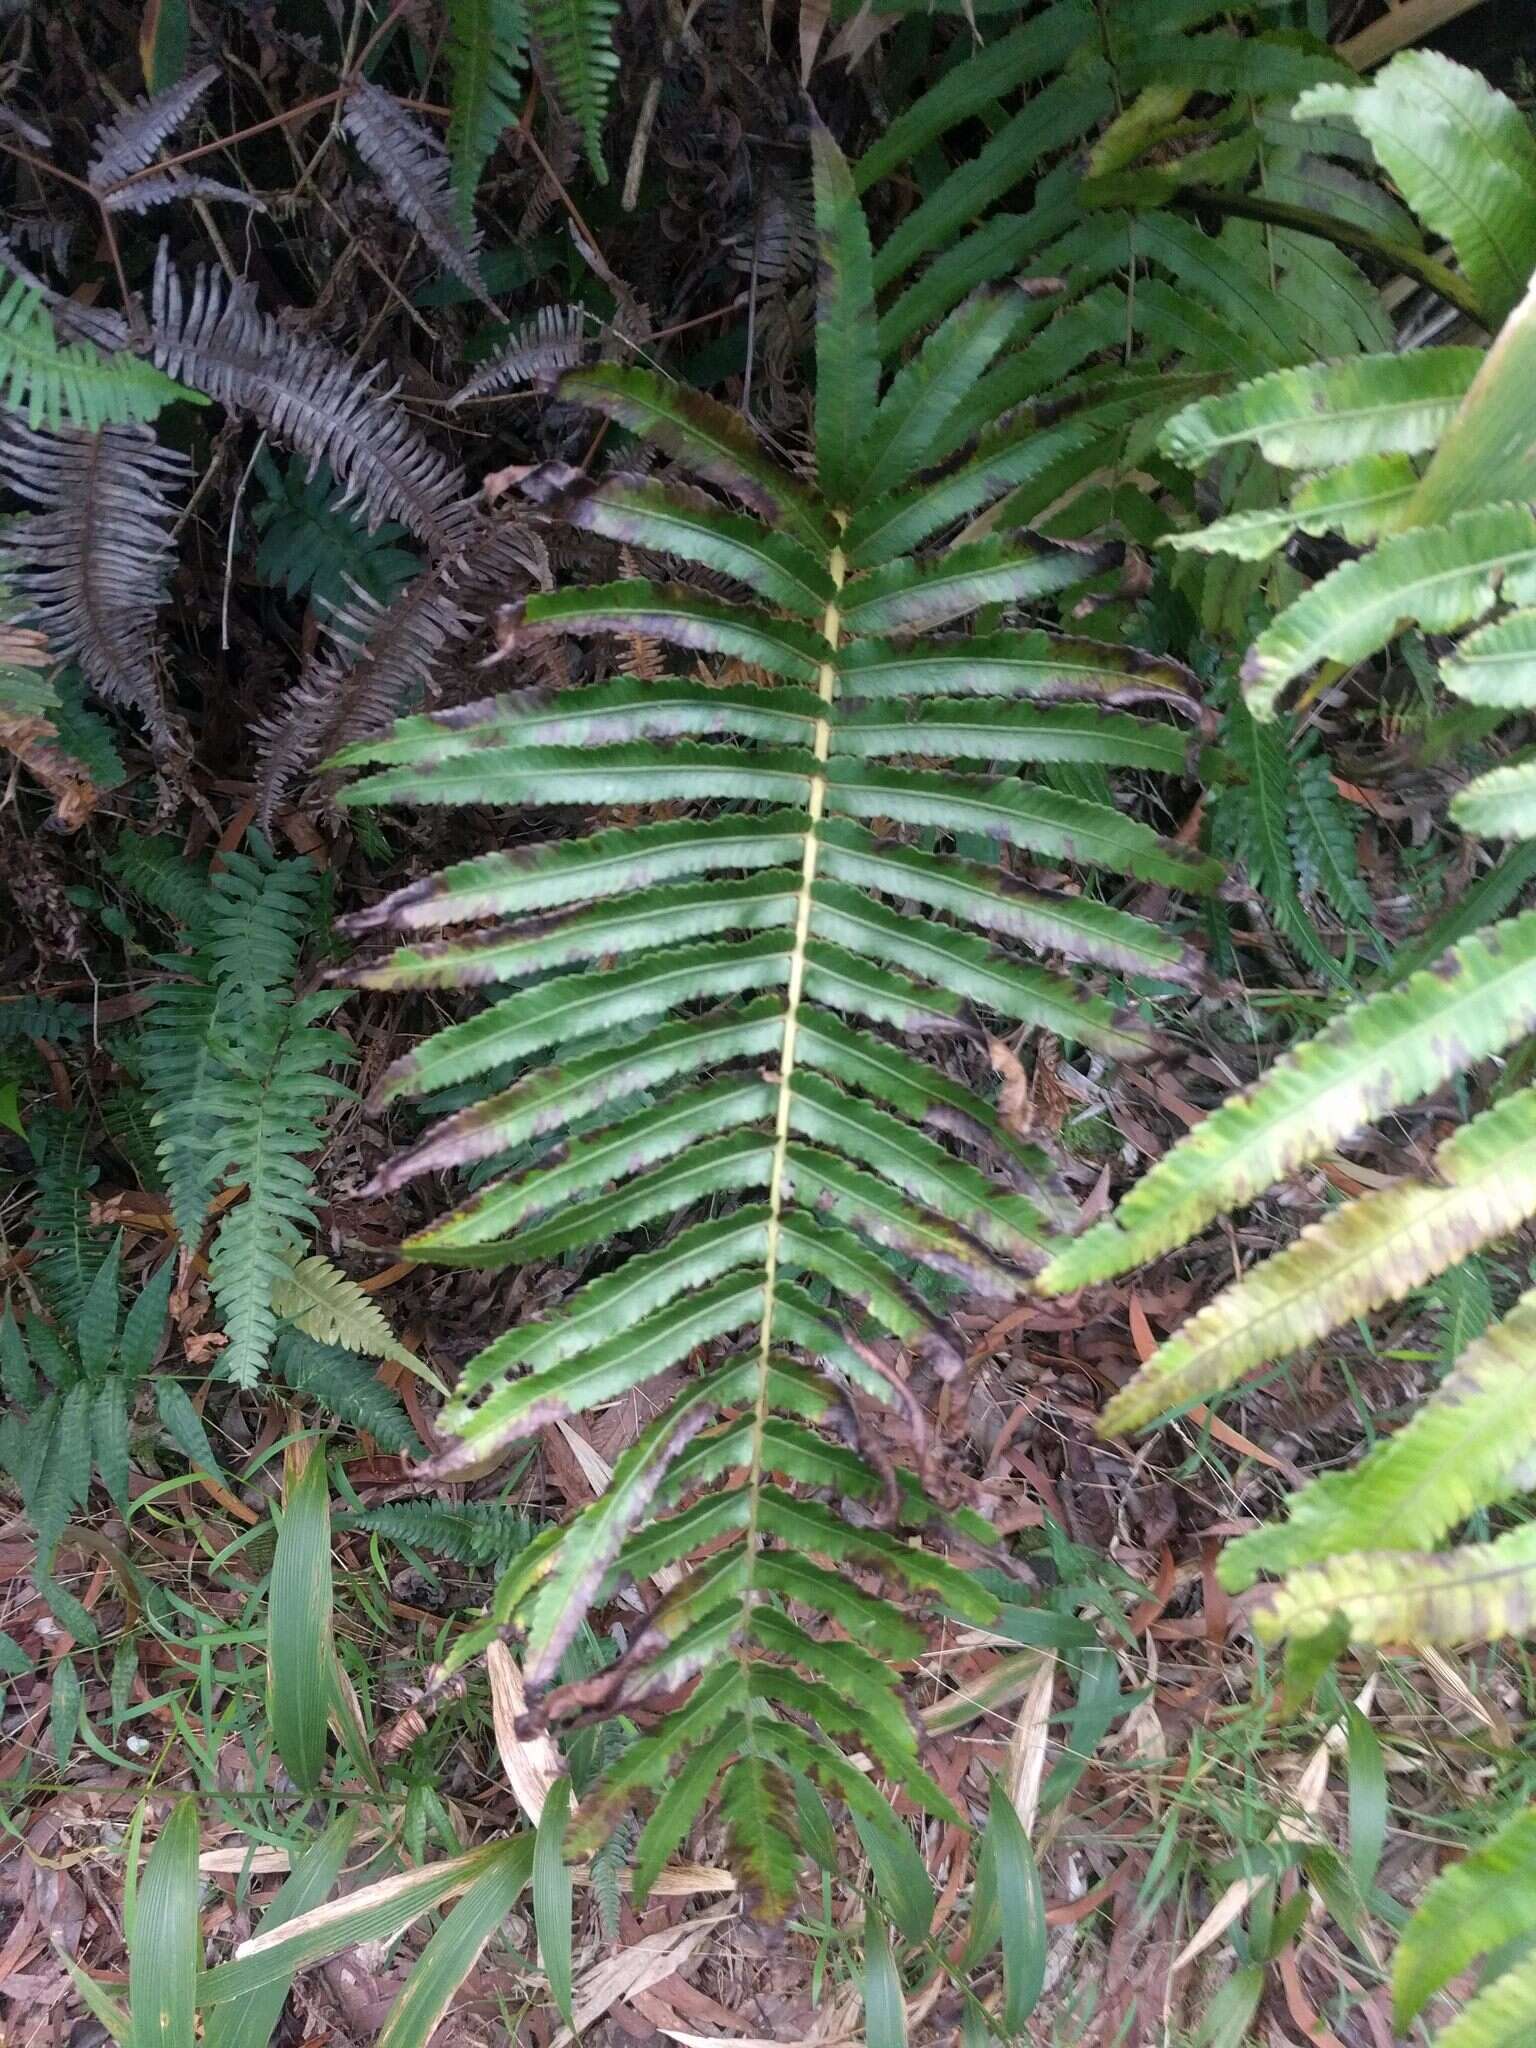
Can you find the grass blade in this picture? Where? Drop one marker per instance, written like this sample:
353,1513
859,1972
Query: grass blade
249,2022
163,1960
455,1948
552,1896
1021,1911
885,2010
299,1625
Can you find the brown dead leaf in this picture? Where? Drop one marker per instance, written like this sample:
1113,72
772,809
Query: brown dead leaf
533,1766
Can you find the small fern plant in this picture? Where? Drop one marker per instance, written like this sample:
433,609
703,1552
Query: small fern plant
1435,484
713,1067
236,1064
71,1382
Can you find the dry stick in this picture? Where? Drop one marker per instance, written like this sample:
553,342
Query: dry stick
40,163
601,264
186,156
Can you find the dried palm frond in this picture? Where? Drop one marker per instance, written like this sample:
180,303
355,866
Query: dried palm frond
548,342
218,339
92,564
381,654
416,173
133,140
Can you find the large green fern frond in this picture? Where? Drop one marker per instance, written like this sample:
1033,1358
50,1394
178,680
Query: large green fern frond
706,1037
487,41
1436,472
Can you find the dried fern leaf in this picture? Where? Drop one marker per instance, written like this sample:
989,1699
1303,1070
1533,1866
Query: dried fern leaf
93,564
380,655
417,173
309,396
167,187
132,141
548,342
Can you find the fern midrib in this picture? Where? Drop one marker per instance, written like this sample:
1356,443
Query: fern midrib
821,747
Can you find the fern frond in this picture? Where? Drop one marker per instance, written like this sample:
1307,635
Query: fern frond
1366,1253
169,188
162,876
132,141
551,340
705,1028
471,1532
1441,577
345,1387
1448,1598
69,1252
235,1067
1469,1446
268,1105
312,542
332,1309
1330,413
574,39
487,43
58,385
1323,841
416,172
309,396
381,655
1501,2015
1391,1048
93,563
1462,156
1472,1908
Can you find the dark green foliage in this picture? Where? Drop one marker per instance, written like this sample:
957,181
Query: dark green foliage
235,1063
70,1388
345,1386
314,545
471,1532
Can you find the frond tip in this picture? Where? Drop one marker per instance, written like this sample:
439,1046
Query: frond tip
416,171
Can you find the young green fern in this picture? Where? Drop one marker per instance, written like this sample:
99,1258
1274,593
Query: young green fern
235,1063
1436,475
70,1389
741,1068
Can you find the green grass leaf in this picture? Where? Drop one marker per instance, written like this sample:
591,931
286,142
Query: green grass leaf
166,1947
299,1644
552,1894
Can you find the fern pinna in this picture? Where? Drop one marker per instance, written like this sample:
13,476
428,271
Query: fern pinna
733,1085
1431,471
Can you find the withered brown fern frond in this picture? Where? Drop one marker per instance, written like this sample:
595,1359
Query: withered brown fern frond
216,338
416,173
92,564
132,141
380,655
